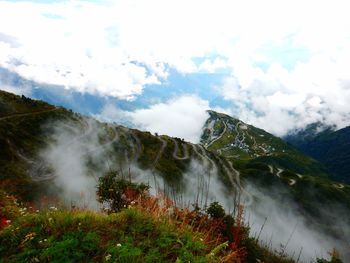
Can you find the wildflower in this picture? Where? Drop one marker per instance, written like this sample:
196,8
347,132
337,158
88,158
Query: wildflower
40,241
28,237
45,240
132,202
8,221
37,211
119,245
201,239
3,222
108,257
79,224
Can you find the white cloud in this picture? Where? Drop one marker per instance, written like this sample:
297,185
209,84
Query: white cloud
279,100
93,46
181,117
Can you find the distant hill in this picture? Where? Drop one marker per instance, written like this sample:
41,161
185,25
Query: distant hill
331,148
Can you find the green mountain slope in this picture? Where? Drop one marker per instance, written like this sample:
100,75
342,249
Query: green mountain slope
329,147
27,127
233,139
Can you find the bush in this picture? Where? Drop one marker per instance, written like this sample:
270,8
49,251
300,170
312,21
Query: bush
215,210
118,192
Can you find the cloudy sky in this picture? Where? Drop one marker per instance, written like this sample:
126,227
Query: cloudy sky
159,64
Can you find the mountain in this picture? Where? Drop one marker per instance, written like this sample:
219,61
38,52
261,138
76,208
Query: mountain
307,134
236,140
50,151
329,147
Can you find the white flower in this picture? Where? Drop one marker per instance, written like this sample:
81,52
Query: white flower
201,239
108,257
119,245
8,221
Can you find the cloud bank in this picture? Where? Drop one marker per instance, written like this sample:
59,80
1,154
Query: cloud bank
181,117
285,63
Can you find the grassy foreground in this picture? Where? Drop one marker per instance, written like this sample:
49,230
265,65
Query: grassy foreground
149,230
136,227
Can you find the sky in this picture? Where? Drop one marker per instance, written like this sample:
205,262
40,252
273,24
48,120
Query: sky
160,64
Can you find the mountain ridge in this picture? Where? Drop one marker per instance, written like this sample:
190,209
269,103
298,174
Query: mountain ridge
330,147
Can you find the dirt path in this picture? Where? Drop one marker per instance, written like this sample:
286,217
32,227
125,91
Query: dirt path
213,164
138,147
219,137
176,150
25,114
249,198
339,186
278,174
292,182
160,153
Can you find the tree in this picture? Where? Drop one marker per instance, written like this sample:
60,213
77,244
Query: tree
215,210
118,192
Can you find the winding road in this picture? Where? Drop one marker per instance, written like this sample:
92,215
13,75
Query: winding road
160,152
292,182
25,114
278,174
271,169
339,186
219,137
138,148
176,150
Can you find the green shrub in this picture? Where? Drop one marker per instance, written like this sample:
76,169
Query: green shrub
118,192
215,210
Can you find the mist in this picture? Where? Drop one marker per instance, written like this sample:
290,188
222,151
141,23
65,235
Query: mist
76,157
274,217
80,152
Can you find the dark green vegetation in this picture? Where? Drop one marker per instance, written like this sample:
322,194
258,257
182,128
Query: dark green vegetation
26,127
331,148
